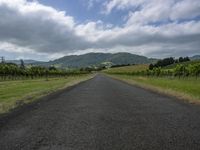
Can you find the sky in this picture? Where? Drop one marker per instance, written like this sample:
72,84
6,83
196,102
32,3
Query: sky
49,29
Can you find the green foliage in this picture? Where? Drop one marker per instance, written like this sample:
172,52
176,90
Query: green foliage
151,66
180,70
168,61
194,69
193,62
10,71
183,59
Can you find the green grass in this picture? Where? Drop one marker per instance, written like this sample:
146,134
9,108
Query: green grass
127,69
188,88
14,93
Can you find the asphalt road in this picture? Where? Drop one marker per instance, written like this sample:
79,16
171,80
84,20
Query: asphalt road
102,114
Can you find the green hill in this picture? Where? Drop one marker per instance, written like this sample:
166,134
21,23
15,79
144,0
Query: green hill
95,59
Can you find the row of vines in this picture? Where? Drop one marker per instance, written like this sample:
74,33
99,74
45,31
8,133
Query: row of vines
180,70
10,71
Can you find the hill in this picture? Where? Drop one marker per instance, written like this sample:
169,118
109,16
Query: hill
26,62
196,57
95,59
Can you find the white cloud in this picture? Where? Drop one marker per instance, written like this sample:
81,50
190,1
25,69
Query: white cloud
145,11
185,9
91,3
14,48
121,4
30,27
39,27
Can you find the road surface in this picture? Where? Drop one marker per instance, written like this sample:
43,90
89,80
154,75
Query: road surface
102,114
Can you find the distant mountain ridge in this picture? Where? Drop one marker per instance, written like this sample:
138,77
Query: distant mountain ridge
26,61
95,59
195,57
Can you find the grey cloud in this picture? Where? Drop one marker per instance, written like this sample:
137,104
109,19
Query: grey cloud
37,32
45,30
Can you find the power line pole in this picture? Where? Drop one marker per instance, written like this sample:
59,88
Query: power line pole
2,59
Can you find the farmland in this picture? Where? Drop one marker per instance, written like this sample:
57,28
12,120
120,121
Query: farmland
127,69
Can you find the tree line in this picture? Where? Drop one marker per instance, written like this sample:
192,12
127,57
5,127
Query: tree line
168,61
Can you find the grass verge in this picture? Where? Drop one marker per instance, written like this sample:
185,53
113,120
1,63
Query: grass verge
187,89
16,93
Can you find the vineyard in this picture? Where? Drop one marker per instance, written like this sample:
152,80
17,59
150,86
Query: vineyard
189,69
20,84
10,71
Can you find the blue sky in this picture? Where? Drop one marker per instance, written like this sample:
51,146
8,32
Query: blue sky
82,12
49,29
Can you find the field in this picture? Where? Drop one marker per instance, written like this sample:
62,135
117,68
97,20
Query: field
15,93
187,88
126,69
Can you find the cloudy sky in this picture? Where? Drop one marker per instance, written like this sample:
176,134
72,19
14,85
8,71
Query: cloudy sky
48,29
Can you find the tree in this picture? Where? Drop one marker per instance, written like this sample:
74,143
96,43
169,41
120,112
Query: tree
151,66
165,62
186,59
52,68
181,59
